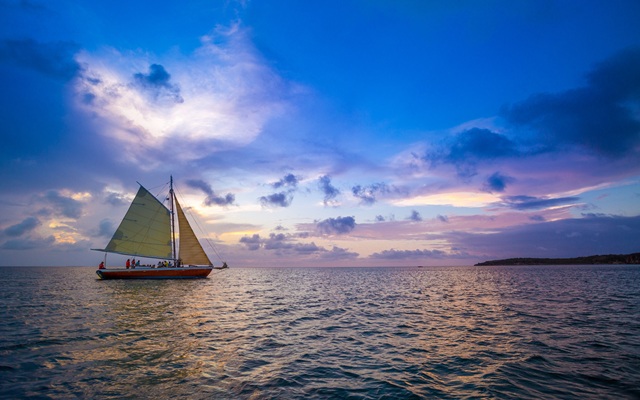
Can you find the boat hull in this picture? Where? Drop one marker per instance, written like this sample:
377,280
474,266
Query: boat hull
155,273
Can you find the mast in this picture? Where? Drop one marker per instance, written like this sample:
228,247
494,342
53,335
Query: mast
173,224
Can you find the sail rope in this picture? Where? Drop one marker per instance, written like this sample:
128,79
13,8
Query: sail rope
163,193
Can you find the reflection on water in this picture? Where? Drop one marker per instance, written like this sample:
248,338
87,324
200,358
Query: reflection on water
500,332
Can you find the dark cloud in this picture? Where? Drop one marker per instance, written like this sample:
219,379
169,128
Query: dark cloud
280,244
380,218
340,225
307,248
281,199
157,76
28,243
368,194
115,199
62,205
338,254
19,229
226,200
105,228
536,203
471,147
601,116
415,216
54,59
480,144
330,191
497,183
408,254
212,198
157,83
252,242
562,238
537,218
277,241
199,184
442,218
289,181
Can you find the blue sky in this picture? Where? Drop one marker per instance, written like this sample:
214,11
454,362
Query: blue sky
325,133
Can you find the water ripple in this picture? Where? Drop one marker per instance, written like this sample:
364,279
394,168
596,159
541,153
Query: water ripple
493,332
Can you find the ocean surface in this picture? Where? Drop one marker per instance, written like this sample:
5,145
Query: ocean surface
569,332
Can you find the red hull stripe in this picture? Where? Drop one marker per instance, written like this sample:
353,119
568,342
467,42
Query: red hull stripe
154,273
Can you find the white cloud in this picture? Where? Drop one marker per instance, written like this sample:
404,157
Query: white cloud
458,199
219,97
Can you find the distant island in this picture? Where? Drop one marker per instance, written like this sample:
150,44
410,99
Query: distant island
633,258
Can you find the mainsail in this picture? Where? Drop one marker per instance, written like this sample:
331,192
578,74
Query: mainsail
191,251
145,229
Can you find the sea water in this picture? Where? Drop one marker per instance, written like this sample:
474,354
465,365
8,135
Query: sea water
305,333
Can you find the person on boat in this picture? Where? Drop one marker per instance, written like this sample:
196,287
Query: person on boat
128,264
101,265
133,263
138,263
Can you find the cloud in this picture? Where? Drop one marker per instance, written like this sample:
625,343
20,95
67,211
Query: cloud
601,116
54,59
65,206
562,238
281,243
339,226
338,254
157,84
479,144
252,242
212,198
497,183
456,199
19,229
288,181
469,148
28,243
415,216
105,228
408,254
282,199
330,191
115,199
536,203
218,98
369,194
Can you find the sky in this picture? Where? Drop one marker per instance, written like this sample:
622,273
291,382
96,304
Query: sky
323,133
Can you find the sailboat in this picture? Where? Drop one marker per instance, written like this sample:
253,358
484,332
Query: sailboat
148,230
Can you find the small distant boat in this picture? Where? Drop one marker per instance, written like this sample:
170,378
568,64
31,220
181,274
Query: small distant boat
148,230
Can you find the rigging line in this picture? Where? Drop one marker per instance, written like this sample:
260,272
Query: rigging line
163,188
195,220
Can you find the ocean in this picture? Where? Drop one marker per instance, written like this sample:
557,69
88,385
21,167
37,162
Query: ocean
526,332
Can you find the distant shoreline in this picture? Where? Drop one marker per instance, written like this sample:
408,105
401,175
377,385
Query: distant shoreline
633,258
